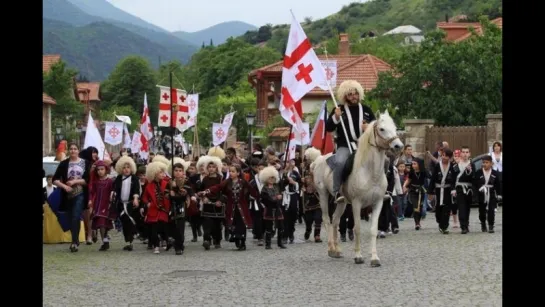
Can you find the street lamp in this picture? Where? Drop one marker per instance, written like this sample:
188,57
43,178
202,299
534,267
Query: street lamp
58,136
250,118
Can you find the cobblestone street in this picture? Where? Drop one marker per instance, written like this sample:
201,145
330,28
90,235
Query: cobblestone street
419,268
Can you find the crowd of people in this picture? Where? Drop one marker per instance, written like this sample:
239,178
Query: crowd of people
222,196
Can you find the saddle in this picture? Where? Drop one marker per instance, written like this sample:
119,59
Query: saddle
347,170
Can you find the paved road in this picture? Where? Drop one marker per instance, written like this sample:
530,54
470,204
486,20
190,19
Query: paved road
421,268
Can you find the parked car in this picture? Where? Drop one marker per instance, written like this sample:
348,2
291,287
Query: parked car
49,167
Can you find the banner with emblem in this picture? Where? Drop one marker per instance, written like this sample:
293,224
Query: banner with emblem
193,104
330,67
113,133
179,110
219,133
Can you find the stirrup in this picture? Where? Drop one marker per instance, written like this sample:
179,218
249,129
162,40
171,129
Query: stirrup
339,197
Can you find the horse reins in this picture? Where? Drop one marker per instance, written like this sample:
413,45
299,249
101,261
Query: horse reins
377,135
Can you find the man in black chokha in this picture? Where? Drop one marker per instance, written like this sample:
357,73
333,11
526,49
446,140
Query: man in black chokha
356,117
465,171
487,183
443,179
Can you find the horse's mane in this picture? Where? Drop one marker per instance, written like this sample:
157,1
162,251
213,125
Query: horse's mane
364,144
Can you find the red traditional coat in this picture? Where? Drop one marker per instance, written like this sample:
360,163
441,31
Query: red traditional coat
157,212
243,200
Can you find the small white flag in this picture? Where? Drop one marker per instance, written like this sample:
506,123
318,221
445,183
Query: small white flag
124,118
127,139
228,119
301,138
219,133
330,68
193,104
136,144
93,138
113,133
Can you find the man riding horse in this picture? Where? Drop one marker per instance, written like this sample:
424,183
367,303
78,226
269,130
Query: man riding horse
356,116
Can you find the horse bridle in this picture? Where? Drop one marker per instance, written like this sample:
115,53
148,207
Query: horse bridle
386,141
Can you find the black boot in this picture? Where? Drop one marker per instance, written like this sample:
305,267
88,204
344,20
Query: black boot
317,235
280,240
105,246
483,227
491,229
343,237
194,231
242,244
268,240
307,234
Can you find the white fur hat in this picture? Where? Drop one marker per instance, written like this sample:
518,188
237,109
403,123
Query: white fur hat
176,161
206,160
161,158
312,153
268,172
121,163
217,152
153,168
347,87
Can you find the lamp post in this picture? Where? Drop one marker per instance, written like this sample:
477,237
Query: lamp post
250,118
58,136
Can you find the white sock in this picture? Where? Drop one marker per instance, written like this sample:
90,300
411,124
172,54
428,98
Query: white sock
106,240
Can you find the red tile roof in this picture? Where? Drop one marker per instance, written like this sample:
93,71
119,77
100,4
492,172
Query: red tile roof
48,60
93,87
459,31
47,99
280,132
363,68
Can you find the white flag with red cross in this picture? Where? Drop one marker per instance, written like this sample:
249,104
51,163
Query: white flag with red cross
219,133
180,110
301,137
146,131
113,133
228,119
302,71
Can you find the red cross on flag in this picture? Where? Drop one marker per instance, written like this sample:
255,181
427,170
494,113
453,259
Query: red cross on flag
219,133
179,114
113,133
301,137
193,104
302,71
146,131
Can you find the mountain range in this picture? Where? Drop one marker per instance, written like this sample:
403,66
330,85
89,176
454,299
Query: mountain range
92,36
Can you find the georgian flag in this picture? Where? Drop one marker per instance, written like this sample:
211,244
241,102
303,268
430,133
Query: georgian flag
180,113
146,131
302,71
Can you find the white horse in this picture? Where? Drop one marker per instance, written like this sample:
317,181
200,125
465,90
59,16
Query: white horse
365,186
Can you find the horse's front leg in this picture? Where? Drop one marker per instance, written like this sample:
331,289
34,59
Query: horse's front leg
356,209
339,210
324,204
375,261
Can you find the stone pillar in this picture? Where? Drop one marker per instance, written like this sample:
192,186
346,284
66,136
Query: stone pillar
494,128
415,134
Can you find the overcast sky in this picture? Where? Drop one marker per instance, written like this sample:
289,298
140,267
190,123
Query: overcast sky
195,15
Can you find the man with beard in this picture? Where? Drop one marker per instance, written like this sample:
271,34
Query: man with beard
356,117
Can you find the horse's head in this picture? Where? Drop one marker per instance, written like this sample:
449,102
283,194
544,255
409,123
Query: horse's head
386,132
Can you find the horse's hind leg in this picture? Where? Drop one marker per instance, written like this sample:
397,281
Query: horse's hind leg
375,261
356,209
326,222
339,210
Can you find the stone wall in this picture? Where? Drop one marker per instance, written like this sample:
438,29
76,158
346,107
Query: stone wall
231,137
494,128
415,134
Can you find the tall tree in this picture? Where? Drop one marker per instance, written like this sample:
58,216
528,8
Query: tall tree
59,84
126,85
453,83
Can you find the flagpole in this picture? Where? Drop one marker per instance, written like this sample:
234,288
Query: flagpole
172,127
288,147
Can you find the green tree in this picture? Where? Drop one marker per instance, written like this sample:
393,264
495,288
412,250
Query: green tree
453,83
131,79
59,84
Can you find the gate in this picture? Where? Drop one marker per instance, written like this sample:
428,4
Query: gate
472,136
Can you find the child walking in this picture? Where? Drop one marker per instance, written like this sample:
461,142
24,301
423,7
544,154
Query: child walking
127,195
271,198
100,199
157,203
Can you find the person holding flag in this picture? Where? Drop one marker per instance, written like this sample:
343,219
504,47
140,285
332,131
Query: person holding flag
356,117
